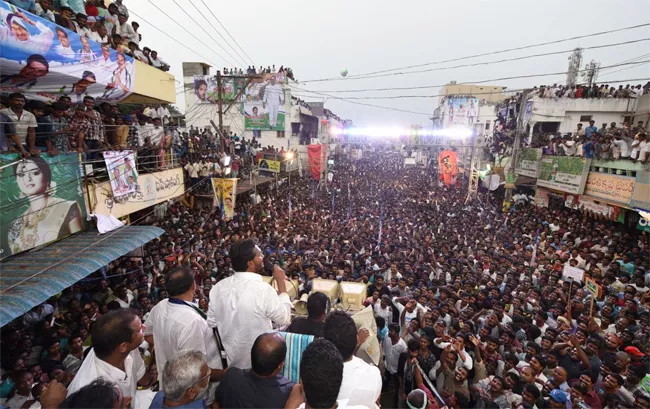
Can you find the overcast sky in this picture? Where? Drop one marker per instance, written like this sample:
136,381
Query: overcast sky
320,39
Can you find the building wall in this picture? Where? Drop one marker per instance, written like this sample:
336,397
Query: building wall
569,111
491,93
200,115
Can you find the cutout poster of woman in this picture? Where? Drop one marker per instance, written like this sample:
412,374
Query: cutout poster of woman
42,199
45,61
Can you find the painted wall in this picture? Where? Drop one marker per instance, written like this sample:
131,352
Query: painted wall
568,111
151,83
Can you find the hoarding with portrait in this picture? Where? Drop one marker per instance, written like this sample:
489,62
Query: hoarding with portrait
46,61
205,89
263,103
42,201
121,171
461,112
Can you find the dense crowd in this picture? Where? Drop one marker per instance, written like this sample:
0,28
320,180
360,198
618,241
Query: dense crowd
93,20
590,91
469,302
251,70
606,142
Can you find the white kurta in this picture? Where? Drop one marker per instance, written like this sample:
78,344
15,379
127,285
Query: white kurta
243,307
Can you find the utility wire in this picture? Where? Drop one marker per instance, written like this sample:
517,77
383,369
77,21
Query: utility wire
505,60
476,82
205,31
359,76
190,33
217,31
227,32
174,39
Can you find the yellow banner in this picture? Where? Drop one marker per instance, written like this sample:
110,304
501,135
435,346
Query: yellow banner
150,189
225,193
269,165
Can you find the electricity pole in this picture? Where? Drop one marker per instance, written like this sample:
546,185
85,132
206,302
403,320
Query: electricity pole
222,138
521,122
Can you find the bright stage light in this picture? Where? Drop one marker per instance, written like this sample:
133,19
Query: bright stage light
289,155
393,132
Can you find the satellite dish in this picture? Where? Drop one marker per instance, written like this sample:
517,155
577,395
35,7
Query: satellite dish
344,73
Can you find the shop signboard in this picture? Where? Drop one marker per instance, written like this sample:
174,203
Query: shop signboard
564,173
528,162
610,187
150,189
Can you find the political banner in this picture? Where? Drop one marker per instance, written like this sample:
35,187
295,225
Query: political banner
593,287
42,200
225,191
205,89
542,198
462,112
528,162
448,167
269,165
45,61
122,172
316,162
263,103
564,173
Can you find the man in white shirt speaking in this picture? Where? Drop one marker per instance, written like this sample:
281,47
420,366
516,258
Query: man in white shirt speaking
177,324
361,382
243,306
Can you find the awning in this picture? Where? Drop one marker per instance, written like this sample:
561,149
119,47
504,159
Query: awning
30,279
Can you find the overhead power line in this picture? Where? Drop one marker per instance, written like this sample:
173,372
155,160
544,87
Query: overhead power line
190,33
227,32
172,38
352,100
360,76
206,32
476,82
506,59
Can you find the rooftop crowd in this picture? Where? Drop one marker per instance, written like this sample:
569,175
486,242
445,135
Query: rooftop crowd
459,300
91,19
590,91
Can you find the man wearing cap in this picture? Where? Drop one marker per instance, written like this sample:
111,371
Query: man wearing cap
557,399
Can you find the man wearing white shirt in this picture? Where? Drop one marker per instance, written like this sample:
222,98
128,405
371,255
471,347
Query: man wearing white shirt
145,130
568,146
361,382
622,146
126,31
321,377
411,308
116,336
393,346
273,98
177,324
243,306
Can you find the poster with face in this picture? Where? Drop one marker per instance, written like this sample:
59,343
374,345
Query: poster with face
122,172
45,61
225,191
263,103
42,201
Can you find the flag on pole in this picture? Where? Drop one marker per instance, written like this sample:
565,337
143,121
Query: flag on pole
534,256
381,222
313,188
349,202
333,196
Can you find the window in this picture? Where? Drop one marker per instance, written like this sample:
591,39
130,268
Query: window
487,125
585,118
206,70
628,119
280,134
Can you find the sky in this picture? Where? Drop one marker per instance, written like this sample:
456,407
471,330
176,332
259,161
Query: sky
320,39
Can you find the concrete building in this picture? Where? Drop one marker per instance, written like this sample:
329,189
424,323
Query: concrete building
564,114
